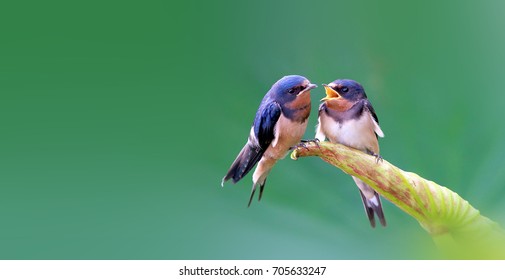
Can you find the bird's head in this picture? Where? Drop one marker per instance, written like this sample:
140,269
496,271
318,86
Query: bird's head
347,89
288,88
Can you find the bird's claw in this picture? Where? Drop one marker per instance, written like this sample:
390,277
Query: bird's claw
303,144
377,156
315,141
300,145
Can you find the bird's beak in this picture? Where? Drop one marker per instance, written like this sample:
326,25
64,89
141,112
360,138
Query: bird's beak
330,93
308,88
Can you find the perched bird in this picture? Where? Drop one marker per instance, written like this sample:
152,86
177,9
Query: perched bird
347,117
279,124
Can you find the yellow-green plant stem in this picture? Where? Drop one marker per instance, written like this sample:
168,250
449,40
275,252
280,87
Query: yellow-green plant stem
457,228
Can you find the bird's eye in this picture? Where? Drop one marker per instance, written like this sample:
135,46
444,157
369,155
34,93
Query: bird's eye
344,89
291,90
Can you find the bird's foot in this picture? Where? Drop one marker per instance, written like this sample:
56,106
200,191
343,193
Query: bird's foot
303,144
299,145
377,156
315,141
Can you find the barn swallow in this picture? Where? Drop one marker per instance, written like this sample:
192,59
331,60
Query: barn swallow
279,124
347,117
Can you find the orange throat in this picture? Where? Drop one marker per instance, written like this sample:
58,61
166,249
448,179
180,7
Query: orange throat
339,104
300,101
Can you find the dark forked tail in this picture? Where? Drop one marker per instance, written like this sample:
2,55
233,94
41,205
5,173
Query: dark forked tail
373,207
244,162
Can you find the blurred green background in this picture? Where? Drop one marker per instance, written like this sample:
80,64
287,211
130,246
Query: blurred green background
119,119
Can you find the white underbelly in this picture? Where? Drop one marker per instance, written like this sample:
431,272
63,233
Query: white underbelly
358,133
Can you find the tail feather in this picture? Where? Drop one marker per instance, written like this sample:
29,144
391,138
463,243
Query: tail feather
373,207
371,202
368,210
252,195
262,186
244,162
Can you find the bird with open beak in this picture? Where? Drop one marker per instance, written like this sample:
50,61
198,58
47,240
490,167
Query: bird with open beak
347,117
279,124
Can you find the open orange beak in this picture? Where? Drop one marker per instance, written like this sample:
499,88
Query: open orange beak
330,93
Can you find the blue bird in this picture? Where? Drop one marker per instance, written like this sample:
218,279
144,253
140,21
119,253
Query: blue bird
347,117
279,124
